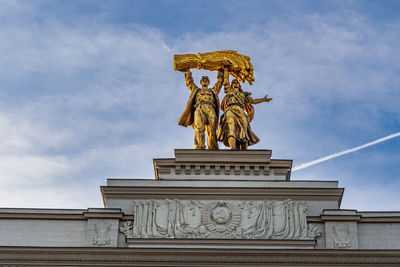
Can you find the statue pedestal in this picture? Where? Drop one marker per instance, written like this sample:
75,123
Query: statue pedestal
246,165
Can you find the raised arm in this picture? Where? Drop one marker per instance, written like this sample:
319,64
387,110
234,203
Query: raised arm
259,100
226,80
189,80
220,79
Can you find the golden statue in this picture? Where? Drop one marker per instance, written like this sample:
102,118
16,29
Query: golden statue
202,108
234,129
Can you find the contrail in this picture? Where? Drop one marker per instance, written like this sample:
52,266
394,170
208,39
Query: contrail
338,154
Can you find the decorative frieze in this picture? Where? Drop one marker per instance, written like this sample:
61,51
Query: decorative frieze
194,219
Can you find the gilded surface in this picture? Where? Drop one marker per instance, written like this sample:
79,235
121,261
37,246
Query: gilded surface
202,108
240,66
234,129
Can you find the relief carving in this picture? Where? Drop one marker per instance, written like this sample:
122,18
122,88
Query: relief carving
219,219
127,229
102,238
342,239
313,231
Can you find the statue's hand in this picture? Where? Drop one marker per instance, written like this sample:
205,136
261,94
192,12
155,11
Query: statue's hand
226,63
267,99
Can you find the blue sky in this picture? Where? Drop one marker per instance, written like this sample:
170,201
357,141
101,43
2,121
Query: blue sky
88,91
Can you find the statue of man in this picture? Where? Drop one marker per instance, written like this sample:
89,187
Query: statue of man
202,110
234,129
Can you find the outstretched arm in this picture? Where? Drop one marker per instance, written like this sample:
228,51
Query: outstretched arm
259,100
189,80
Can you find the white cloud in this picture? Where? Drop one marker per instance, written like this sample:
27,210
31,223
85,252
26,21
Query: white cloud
23,157
372,197
103,100
71,196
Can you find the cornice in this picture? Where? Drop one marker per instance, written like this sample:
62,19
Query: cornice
223,193
28,256
44,216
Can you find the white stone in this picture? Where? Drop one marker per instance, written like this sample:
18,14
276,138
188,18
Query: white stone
219,219
102,232
379,235
213,183
42,233
341,235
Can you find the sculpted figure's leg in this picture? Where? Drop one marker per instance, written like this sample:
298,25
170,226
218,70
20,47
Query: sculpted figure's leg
243,121
231,126
199,137
212,131
243,146
232,131
232,142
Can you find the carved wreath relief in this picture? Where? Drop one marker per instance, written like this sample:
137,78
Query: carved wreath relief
219,219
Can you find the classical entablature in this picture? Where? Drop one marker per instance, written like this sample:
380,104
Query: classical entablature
205,207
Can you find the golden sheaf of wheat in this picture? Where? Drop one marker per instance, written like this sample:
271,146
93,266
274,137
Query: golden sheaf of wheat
239,66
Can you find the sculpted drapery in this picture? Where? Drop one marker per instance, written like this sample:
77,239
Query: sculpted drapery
235,121
202,108
234,128
237,219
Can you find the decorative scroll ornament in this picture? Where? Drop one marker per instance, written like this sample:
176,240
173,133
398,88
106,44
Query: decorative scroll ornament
102,238
193,219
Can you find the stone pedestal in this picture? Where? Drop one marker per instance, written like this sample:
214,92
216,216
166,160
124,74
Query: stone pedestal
222,165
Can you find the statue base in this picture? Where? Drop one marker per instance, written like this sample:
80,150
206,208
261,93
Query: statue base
247,165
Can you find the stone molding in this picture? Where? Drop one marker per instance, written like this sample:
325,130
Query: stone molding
83,215
215,164
359,219
223,193
26,256
221,243
38,216
103,215
340,217
380,220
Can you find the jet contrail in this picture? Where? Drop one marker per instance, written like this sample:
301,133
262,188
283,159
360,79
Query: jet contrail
338,154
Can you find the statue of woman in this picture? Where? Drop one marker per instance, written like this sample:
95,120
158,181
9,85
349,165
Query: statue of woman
234,128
